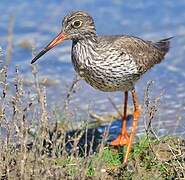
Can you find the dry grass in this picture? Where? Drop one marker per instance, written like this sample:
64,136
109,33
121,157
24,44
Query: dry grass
31,147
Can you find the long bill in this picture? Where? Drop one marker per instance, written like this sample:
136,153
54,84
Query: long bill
57,40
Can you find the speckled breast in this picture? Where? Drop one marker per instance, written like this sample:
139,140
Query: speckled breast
105,72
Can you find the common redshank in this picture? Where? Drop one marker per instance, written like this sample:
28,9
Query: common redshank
109,63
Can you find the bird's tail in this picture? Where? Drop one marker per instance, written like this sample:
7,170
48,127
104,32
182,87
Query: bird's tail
163,45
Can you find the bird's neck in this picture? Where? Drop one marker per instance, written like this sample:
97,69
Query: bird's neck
88,40
82,50
86,43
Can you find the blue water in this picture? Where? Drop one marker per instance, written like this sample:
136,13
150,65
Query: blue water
37,22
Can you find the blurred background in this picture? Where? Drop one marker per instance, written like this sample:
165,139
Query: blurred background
34,23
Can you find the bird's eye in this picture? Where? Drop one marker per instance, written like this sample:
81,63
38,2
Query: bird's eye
77,24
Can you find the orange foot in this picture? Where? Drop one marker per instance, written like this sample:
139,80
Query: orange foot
121,140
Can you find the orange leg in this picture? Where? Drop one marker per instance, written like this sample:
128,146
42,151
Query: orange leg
135,124
123,138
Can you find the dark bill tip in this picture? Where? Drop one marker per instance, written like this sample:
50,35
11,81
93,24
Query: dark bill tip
57,40
39,55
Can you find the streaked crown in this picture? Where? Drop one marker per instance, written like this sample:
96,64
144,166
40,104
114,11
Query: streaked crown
78,25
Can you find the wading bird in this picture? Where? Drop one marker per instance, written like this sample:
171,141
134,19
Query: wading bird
109,63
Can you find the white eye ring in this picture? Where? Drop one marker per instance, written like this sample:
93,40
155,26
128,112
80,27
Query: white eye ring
77,24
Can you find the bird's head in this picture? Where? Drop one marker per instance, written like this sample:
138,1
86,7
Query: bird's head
78,25
75,26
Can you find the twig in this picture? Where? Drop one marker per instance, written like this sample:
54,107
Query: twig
114,106
71,91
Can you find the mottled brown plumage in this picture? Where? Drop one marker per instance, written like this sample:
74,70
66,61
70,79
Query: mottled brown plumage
109,63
